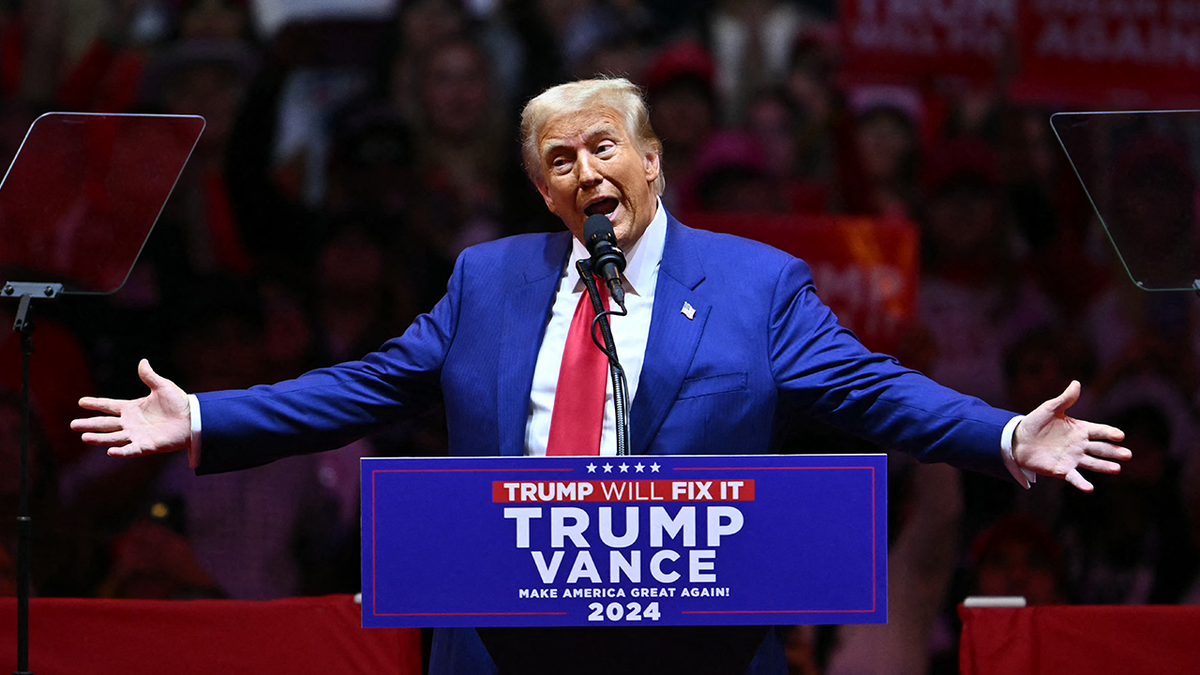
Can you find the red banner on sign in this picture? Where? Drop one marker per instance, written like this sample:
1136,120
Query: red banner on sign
865,269
1144,53
907,40
514,492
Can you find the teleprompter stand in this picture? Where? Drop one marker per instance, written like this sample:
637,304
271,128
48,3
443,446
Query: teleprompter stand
26,292
76,207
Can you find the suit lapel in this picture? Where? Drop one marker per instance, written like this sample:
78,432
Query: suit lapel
673,336
526,310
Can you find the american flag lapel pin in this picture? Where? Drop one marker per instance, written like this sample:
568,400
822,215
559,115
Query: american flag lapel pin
688,311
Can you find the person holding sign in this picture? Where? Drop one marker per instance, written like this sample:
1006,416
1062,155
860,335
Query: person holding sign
724,341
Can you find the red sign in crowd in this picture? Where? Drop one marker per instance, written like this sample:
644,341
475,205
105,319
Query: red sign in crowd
1129,53
864,268
915,40
1093,52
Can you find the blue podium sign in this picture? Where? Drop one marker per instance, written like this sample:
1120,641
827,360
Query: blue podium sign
640,540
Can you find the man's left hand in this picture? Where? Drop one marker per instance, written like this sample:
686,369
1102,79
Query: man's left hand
1050,443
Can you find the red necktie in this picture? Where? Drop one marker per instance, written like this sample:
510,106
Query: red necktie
578,416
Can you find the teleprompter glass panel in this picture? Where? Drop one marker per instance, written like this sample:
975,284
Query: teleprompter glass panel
1139,171
83,193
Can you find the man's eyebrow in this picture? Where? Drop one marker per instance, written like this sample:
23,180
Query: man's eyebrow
602,129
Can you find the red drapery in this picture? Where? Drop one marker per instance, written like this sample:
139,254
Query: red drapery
1131,640
298,636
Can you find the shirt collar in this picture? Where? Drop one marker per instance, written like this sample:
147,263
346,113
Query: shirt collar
641,260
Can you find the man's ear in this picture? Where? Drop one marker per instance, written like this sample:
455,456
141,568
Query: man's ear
653,164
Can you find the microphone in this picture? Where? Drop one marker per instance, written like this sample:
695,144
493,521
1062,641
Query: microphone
607,260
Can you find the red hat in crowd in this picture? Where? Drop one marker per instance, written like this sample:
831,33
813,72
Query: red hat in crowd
679,61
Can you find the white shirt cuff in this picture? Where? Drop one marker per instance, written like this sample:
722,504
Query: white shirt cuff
194,442
1023,476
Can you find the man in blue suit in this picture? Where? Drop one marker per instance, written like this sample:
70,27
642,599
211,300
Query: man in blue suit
724,342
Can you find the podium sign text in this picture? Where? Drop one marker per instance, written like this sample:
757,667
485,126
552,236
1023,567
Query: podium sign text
640,540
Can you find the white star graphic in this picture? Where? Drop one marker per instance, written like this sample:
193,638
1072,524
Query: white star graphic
639,466
654,467
624,468
591,468
608,468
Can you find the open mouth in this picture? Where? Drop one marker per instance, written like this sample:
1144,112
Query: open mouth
605,206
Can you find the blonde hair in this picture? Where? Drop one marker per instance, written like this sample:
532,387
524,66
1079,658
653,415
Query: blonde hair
617,94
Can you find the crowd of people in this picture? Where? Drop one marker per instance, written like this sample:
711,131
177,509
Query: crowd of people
346,162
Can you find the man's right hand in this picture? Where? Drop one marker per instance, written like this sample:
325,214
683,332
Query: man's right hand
159,422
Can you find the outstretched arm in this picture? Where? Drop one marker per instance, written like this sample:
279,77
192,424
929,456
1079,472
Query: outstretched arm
158,422
1050,443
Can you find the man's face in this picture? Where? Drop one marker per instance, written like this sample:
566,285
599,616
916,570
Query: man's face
591,164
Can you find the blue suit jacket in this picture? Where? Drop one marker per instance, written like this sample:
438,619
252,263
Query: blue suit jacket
759,348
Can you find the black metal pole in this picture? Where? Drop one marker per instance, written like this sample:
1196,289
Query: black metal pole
25,292
24,521
616,372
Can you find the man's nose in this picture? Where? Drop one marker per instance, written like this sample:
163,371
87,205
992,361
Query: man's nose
588,174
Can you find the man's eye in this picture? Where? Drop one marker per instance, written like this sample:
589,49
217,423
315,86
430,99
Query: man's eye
605,148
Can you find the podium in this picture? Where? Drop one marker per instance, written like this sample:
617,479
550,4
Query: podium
653,564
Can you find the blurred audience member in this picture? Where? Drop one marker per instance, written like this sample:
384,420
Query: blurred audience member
371,165
216,20
152,562
200,232
1050,211
971,290
460,149
1190,495
56,568
108,76
751,43
420,26
553,35
355,313
12,50
1042,364
1019,557
15,119
822,121
32,50
1027,161
679,88
1142,553
880,178
800,649
59,374
288,341
619,50
303,147
730,174
773,120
